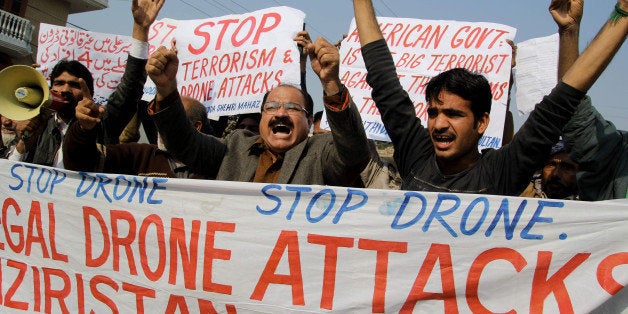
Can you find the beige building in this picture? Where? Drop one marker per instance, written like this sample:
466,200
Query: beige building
20,19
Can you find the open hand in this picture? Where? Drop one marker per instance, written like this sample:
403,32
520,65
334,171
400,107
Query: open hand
145,11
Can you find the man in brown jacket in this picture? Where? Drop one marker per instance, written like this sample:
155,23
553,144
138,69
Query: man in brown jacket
82,153
282,152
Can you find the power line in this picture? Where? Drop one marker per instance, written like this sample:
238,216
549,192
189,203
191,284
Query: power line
310,26
389,9
245,9
216,7
221,6
195,8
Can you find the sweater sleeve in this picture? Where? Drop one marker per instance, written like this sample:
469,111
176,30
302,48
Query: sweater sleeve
410,139
349,154
202,153
590,138
597,146
123,102
80,152
532,144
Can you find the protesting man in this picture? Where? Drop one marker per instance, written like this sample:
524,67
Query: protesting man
283,152
444,156
40,137
82,153
557,178
595,144
126,100
46,132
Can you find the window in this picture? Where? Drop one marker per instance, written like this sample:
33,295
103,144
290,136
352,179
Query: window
16,7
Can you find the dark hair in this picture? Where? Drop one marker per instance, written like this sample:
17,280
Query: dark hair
470,86
318,116
196,111
255,116
75,68
253,127
309,102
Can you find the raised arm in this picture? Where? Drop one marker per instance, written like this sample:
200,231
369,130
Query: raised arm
592,62
162,68
551,117
595,144
366,22
349,154
411,140
79,145
325,60
123,102
203,154
144,14
567,14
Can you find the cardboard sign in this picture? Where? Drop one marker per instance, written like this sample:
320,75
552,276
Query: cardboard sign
104,55
424,48
228,62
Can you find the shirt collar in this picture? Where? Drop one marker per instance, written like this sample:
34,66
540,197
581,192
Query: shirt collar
259,146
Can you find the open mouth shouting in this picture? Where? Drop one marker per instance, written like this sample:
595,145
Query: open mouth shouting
281,127
443,141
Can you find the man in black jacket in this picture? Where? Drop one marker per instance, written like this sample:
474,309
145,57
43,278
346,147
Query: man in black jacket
444,156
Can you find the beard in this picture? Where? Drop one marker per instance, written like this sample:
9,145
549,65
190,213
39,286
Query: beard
67,111
556,188
7,137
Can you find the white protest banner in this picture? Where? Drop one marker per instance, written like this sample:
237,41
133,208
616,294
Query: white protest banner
77,242
161,33
104,55
230,62
536,72
424,48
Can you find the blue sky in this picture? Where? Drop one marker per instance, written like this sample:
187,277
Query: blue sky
331,19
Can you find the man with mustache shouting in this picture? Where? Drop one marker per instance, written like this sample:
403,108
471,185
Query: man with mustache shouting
282,152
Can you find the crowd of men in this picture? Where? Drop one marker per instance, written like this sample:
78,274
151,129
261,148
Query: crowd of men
564,150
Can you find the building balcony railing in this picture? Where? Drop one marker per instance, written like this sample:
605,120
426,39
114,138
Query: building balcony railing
15,34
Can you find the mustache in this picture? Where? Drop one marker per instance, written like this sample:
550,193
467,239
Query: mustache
280,120
8,129
442,132
556,182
